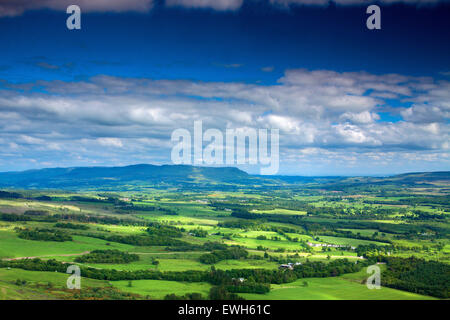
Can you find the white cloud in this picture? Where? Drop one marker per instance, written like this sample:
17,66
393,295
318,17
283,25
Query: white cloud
426,113
221,5
362,117
110,142
17,7
351,2
356,135
11,8
30,140
319,113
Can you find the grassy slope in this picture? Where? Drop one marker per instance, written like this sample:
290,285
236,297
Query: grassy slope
331,289
158,289
345,287
10,291
13,247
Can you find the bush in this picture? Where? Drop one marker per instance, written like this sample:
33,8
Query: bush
187,296
107,256
219,255
200,233
418,276
43,235
221,293
71,226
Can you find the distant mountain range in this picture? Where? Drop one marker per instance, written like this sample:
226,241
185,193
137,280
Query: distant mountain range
142,174
182,175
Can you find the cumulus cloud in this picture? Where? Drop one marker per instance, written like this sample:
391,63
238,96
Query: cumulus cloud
320,114
426,113
110,142
362,117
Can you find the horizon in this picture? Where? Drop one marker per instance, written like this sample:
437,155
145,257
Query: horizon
233,167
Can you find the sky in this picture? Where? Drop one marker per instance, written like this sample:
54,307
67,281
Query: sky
346,100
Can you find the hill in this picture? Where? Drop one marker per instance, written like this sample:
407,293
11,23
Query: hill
186,177
418,179
143,174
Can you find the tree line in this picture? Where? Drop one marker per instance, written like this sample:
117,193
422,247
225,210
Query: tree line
107,256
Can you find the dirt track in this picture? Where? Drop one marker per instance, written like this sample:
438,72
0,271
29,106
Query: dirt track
50,255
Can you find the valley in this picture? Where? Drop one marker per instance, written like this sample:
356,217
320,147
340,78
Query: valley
232,236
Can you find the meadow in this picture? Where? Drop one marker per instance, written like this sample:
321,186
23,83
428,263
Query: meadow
332,289
158,289
176,233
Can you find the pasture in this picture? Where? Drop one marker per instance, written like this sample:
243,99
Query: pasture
332,289
158,289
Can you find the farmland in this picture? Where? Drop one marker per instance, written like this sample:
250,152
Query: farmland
150,243
332,289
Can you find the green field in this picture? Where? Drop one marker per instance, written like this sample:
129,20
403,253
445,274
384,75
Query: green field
332,289
14,247
203,233
280,211
158,289
349,241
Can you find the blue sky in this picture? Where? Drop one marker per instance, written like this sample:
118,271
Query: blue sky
347,100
